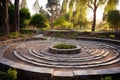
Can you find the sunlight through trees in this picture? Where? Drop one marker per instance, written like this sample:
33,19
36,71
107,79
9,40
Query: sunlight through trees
74,12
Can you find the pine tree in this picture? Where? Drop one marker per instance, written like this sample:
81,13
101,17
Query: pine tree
36,6
24,4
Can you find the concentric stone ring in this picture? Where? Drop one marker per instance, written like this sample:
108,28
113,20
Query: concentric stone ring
95,58
64,51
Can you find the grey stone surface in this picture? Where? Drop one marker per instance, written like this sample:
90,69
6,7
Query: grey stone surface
63,73
35,57
80,72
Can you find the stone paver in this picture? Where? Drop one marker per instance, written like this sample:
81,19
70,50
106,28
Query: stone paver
63,73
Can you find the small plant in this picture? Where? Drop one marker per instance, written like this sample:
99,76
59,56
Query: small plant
25,32
1,33
101,36
112,36
14,35
64,46
11,74
107,78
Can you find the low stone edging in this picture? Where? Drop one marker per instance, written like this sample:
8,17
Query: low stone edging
116,42
65,51
60,73
3,43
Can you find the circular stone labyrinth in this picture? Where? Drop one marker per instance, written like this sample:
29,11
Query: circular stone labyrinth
95,58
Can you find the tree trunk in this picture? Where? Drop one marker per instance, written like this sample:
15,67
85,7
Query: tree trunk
5,25
16,13
52,17
0,14
94,21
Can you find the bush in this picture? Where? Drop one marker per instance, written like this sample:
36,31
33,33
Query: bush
114,19
64,46
11,74
112,36
107,78
25,32
14,35
101,36
1,33
24,15
39,21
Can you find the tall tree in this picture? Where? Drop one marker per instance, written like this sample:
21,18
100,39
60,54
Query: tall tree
54,9
80,12
114,19
24,4
94,4
24,15
43,12
11,17
36,6
111,5
0,14
71,7
16,13
5,21
64,6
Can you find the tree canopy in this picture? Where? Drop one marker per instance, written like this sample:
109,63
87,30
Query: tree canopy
114,19
39,21
24,15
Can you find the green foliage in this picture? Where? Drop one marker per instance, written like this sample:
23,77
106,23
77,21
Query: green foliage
71,6
111,5
11,74
107,78
64,6
14,35
112,36
64,46
59,21
25,32
39,21
114,19
63,34
24,15
102,36
62,23
11,15
54,2
66,16
80,12
1,33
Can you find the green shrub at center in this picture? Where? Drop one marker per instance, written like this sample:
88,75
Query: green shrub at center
64,46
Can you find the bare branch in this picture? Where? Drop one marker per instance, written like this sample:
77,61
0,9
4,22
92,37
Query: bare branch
90,6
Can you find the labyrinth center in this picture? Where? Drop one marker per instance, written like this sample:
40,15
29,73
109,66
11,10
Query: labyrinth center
94,57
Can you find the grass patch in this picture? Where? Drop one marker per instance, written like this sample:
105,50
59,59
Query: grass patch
64,46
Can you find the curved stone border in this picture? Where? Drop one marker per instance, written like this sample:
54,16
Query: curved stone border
59,73
64,51
55,58
4,43
66,65
53,72
116,42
